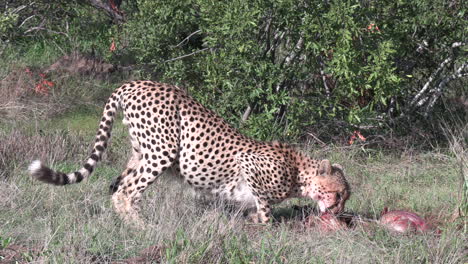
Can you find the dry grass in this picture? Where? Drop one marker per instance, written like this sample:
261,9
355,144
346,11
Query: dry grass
45,92
459,146
56,146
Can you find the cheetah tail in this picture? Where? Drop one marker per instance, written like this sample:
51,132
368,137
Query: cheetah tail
47,175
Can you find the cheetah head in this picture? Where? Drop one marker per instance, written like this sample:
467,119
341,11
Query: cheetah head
329,188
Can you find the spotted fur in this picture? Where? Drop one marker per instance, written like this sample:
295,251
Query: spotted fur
169,129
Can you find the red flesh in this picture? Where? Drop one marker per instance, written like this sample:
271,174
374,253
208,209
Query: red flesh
403,221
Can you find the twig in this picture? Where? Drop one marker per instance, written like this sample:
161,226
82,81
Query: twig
186,55
316,139
24,21
185,40
19,8
46,29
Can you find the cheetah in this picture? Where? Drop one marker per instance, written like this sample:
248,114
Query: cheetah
170,130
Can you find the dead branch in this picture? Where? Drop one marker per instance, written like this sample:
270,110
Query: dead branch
19,8
324,78
316,139
459,73
428,83
417,101
265,36
39,28
458,44
290,58
294,52
428,96
277,39
246,114
26,20
186,55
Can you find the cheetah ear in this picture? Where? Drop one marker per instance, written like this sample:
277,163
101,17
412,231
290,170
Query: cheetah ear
338,166
325,167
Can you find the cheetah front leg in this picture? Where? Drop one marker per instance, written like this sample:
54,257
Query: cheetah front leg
263,213
263,209
260,172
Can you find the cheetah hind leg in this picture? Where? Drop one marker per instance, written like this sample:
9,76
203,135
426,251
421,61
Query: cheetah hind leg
131,166
118,197
122,204
128,194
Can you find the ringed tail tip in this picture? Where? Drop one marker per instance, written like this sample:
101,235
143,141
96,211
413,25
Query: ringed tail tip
34,167
45,174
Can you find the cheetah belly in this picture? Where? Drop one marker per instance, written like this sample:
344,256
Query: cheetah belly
235,190
242,194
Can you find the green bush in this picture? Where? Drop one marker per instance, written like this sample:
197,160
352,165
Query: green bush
273,68
293,63
62,25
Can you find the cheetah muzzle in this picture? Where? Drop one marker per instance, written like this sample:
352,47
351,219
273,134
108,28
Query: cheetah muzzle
169,129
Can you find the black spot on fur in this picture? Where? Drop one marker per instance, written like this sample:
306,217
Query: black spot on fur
79,176
94,157
88,167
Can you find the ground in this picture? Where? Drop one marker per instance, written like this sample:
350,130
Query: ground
78,222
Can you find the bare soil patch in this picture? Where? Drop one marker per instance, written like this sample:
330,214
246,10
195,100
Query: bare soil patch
77,63
152,254
26,91
19,254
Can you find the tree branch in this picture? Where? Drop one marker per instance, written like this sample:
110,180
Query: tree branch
246,114
186,55
438,90
118,17
185,40
290,58
276,42
46,29
419,102
293,54
324,78
428,83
